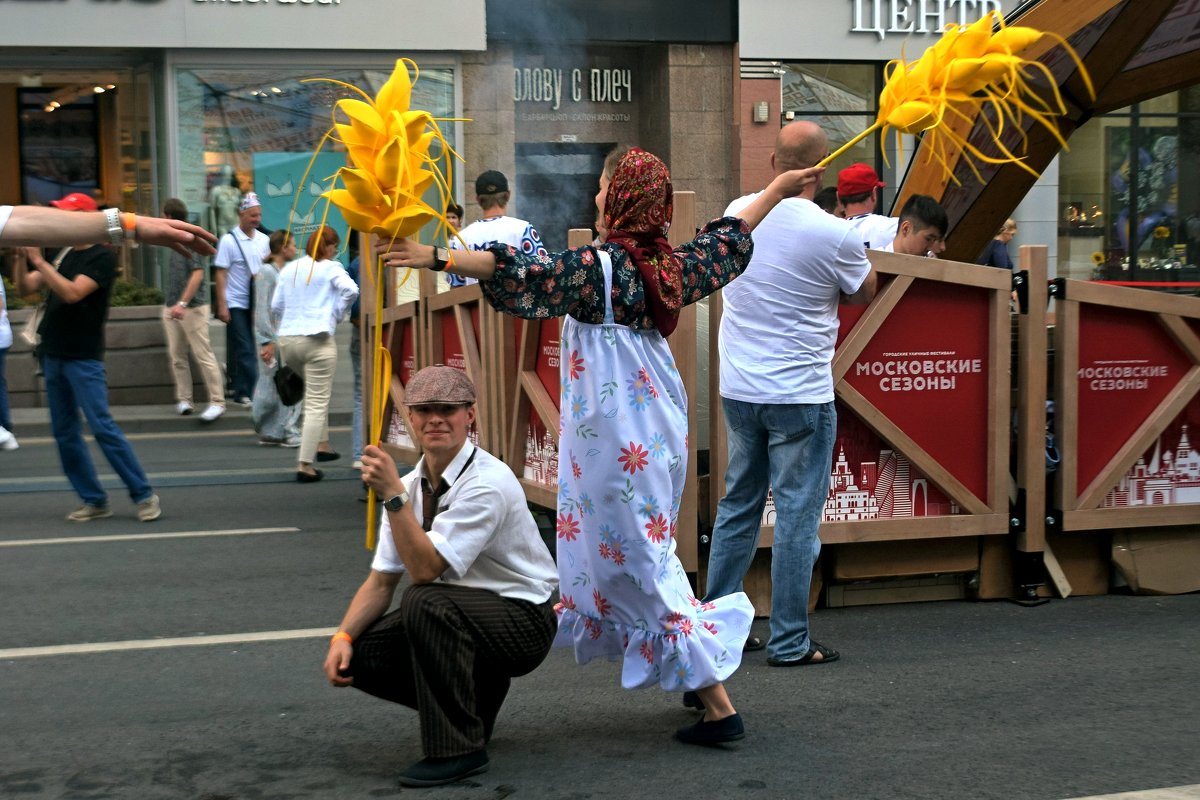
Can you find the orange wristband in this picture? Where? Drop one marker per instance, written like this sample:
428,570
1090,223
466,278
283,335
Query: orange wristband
342,635
129,225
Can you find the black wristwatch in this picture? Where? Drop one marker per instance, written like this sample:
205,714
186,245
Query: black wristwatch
441,257
396,502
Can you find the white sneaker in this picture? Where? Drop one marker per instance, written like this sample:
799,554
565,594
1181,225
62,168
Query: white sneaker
212,412
88,512
7,440
183,408
149,510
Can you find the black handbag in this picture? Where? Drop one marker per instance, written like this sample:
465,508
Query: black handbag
289,385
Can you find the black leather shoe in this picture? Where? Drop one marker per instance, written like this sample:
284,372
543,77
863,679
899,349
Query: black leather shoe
328,455
692,700
309,477
729,729
437,771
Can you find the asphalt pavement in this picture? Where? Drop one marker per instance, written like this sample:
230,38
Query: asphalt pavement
182,659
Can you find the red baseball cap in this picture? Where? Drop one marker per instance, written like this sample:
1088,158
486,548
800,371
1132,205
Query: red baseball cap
858,179
76,201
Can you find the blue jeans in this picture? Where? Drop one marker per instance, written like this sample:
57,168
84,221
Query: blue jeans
356,431
81,384
242,360
788,447
5,415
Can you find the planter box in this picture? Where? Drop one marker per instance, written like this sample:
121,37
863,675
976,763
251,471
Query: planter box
135,360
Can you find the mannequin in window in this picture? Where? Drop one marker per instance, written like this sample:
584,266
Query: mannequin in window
223,200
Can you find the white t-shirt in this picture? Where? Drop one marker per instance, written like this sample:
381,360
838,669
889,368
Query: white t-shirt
241,270
780,321
875,230
5,213
484,530
6,339
481,234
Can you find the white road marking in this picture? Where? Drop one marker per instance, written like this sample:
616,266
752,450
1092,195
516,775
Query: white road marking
207,432
1191,792
156,644
140,537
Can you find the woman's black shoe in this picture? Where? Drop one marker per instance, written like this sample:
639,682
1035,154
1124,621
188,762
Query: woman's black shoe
728,729
328,455
309,477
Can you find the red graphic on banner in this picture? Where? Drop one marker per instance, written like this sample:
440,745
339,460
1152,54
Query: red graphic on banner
1169,472
926,369
404,356
1127,365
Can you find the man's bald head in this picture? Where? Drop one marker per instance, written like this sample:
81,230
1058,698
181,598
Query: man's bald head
799,145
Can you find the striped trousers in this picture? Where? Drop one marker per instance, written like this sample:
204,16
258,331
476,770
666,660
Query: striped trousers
450,652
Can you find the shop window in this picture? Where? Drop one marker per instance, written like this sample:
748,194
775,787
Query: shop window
59,146
843,98
1127,211
256,129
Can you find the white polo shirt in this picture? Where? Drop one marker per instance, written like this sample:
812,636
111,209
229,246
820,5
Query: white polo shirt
483,233
240,271
875,230
484,530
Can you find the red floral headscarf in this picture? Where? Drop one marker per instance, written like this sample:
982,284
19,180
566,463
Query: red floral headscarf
637,214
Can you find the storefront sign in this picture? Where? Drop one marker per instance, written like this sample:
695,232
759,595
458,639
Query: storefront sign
883,17
550,86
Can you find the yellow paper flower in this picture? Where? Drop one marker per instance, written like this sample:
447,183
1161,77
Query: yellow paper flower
1098,258
389,147
1162,232
969,70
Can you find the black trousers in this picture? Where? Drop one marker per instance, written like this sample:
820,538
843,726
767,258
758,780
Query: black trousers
450,652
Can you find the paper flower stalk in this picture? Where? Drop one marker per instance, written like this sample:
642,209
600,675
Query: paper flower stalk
970,69
393,163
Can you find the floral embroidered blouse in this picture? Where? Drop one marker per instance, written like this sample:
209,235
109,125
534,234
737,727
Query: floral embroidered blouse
571,282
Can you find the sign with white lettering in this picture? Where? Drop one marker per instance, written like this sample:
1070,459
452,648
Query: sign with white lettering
871,30
315,25
547,86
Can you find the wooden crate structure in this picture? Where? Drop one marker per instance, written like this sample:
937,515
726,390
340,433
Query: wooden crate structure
923,390
534,411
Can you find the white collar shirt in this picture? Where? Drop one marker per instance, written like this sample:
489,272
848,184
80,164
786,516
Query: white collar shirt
312,298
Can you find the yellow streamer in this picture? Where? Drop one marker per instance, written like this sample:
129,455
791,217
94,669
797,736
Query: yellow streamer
970,68
381,192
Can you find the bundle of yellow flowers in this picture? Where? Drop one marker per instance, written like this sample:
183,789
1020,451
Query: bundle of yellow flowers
972,68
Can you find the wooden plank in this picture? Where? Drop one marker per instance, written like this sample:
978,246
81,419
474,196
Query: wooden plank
904,528
999,394
868,325
683,347
718,437
1133,517
1055,571
1032,345
941,270
539,495
543,404
1183,335
1133,299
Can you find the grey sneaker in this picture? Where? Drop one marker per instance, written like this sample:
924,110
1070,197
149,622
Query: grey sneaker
88,512
148,510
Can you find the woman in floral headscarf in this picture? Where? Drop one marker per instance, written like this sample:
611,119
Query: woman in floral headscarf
623,428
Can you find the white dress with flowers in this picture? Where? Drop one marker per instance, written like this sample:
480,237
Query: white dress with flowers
622,463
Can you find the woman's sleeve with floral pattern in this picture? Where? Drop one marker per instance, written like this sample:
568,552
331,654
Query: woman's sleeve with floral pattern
718,255
542,287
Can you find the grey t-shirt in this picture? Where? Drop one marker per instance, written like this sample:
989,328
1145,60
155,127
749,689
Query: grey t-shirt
179,269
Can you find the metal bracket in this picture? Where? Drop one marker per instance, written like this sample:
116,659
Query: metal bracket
1020,285
1016,513
1058,289
1054,520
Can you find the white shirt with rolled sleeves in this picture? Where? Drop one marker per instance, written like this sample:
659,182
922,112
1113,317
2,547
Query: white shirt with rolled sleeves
484,530
240,271
5,213
312,298
780,321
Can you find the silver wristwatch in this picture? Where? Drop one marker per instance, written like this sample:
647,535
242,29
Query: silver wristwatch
396,502
441,257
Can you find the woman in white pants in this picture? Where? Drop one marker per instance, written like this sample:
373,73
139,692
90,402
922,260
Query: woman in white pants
313,294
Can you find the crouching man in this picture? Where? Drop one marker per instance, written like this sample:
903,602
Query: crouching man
478,611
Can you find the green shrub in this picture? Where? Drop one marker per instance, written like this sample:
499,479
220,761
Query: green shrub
134,293
11,299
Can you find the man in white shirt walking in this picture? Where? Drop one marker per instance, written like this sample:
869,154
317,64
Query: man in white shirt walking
240,255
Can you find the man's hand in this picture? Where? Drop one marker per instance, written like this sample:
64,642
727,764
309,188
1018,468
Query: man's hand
223,313
791,183
379,472
182,237
177,311
404,253
267,353
337,661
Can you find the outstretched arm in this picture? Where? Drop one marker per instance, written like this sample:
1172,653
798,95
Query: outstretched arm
784,185
53,227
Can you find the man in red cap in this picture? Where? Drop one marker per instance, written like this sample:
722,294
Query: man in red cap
858,190
72,352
